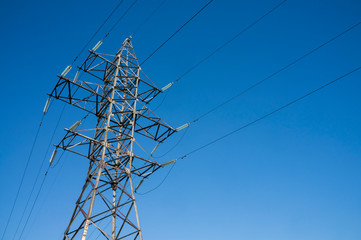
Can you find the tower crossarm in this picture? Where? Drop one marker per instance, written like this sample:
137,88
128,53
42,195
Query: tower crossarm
74,139
84,95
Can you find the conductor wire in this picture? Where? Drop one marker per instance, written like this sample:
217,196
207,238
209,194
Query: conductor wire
276,72
244,30
97,31
178,30
148,18
230,40
270,113
39,171
23,175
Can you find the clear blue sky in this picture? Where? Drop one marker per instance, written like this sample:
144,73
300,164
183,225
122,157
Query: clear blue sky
295,175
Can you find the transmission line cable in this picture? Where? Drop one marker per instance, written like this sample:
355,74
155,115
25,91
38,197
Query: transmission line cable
97,31
50,165
110,30
251,123
26,168
118,21
222,46
68,68
271,113
36,198
276,72
38,194
178,30
39,172
148,18
230,40
47,105
215,51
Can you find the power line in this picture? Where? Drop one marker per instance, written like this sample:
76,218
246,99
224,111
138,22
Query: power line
160,46
276,72
121,17
39,171
97,31
36,198
23,175
271,113
226,43
251,123
230,40
38,130
148,18
81,51
34,203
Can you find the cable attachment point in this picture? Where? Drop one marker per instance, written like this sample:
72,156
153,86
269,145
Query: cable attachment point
53,156
97,45
75,125
169,162
167,86
66,70
154,149
182,127
76,75
140,183
46,105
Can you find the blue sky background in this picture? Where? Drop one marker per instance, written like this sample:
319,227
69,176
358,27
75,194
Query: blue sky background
295,175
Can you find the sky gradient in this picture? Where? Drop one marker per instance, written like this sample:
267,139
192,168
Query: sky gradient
295,175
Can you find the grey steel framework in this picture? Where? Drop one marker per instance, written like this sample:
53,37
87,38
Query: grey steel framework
119,99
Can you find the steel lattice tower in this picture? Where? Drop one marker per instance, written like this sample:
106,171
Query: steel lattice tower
118,96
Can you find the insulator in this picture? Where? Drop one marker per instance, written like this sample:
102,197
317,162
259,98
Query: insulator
53,156
146,174
46,105
182,127
167,86
75,125
169,162
155,148
148,99
76,75
140,183
97,46
66,70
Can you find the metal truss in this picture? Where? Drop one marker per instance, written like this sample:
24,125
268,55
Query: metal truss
118,97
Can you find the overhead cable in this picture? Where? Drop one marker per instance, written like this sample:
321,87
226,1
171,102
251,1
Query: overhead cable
276,72
121,17
221,47
230,40
50,165
26,168
249,124
148,18
99,43
189,20
97,31
39,172
32,207
270,113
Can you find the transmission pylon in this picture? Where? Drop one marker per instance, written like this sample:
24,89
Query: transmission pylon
118,95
